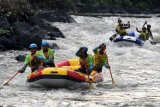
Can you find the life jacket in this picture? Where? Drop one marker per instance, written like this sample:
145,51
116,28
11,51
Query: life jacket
144,35
34,62
99,59
47,54
122,32
118,27
85,62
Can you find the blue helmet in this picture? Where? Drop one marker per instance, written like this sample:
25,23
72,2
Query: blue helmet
85,49
33,46
45,43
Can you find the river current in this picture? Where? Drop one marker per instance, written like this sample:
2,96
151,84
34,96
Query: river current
136,70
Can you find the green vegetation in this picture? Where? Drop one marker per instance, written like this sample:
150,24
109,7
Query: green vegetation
81,5
3,31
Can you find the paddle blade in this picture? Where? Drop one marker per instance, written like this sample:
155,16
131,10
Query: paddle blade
6,83
92,87
113,83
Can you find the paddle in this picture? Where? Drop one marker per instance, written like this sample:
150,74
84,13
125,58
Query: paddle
6,83
112,37
113,83
153,43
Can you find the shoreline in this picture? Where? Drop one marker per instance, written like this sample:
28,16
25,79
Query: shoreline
99,15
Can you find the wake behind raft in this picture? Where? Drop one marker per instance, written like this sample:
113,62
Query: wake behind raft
62,76
131,38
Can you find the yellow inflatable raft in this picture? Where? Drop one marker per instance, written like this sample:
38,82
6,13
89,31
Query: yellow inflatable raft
61,76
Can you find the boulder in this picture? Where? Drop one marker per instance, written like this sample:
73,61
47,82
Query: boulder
49,30
20,58
54,16
54,46
4,24
26,34
7,39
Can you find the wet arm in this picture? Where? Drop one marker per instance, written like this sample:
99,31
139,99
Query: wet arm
50,60
51,57
138,30
144,24
150,34
126,26
95,50
106,63
41,58
90,63
27,59
117,29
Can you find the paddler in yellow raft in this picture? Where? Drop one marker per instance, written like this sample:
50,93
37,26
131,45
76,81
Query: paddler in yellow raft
86,61
93,65
30,59
100,60
46,55
39,59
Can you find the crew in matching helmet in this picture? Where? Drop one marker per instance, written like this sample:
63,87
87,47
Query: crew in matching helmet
46,54
86,60
30,59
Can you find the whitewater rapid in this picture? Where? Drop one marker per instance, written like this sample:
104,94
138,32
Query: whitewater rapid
135,69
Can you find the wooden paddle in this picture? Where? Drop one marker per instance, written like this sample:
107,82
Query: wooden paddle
6,83
113,83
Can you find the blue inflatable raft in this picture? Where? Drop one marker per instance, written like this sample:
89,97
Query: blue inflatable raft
132,37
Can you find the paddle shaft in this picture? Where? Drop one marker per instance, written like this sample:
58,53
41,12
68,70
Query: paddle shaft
111,75
109,68
15,74
11,78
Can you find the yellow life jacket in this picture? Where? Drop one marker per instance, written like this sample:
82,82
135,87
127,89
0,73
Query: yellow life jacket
144,36
85,62
34,62
46,54
122,32
99,59
118,27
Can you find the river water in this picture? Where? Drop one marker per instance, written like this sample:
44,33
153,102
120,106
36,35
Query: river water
135,69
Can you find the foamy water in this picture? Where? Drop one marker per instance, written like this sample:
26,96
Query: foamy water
135,69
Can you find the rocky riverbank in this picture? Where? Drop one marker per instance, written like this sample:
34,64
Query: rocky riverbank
20,33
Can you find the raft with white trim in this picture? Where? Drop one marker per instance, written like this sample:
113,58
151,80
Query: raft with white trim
131,38
62,76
